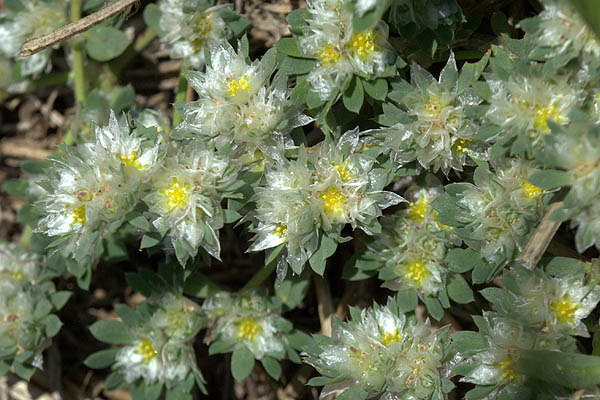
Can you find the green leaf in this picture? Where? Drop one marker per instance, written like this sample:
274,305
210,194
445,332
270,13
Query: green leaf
298,19
550,179
237,24
590,12
128,315
218,347
319,381
481,272
114,332
23,371
407,299
42,308
318,260
114,381
479,392
434,307
101,359
4,367
242,362
462,260
140,222
16,188
564,266
573,370
468,342
365,21
152,18
354,96
499,23
272,367
459,290
60,298
297,66
52,325
377,88
289,46
150,239
105,43
152,392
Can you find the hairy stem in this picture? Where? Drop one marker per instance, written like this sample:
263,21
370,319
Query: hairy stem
180,96
77,54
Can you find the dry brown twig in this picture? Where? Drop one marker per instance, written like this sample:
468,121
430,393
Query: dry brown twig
541,238
39,43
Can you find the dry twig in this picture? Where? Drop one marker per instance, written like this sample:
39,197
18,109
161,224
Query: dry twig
39,43
540,239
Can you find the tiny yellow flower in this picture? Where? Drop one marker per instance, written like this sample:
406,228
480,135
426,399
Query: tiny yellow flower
531,191
235,85
201,28
543,113
434,105
329,55
391,337
345,172
176,194
79,215
131,160
247,329
146,350
508,372
462,145
417,211
362,44
333,201
564,309
281,231
417,272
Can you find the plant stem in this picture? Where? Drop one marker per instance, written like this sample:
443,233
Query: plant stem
26,236
260,276
180,96
325,304
77,53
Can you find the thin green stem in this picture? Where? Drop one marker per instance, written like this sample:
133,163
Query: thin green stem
180,96
52,79
260,276
26,236
77,53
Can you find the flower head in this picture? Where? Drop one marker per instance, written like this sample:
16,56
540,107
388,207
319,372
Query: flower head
246,321
322,190
162,351
379,350
185,197
341,51
440,136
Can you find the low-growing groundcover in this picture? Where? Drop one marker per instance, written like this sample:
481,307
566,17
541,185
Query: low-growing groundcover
367,209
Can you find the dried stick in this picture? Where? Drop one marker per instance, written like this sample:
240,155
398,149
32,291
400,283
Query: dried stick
39,43
541,238
325,304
